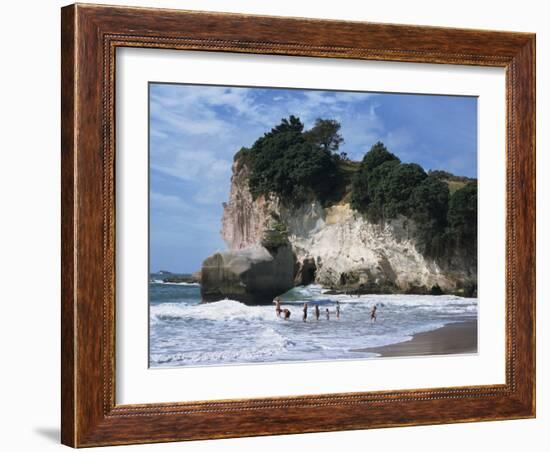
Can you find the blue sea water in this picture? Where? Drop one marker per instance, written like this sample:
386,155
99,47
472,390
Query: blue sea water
184,332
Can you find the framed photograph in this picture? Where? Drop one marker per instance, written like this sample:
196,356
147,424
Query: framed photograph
281,225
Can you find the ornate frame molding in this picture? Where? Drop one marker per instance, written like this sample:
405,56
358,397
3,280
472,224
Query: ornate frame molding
90,37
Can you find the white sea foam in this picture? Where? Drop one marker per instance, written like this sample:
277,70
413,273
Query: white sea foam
190,333
224,311
177,283
309,291
267,344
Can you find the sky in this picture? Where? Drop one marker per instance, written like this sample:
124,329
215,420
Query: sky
194,131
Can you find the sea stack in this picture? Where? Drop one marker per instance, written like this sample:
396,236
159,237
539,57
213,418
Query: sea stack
335,246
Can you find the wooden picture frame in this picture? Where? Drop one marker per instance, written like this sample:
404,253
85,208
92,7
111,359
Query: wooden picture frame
90,36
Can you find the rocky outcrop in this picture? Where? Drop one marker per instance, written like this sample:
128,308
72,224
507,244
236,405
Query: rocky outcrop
338,248
245,219
194,278
254,275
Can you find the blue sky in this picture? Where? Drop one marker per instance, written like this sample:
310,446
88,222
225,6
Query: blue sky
195,130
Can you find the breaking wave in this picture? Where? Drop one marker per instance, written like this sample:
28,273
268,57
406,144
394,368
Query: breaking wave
185,332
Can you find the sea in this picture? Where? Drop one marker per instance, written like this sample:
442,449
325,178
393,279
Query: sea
184,332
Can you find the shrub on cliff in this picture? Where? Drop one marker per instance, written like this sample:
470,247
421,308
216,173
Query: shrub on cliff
292,164
383,186
298,166
377,155
462,219
275,237
373,169
398,187
325,134
429,206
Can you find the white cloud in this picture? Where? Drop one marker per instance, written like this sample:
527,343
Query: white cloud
204,123
168,203
197,130
208,174
194,165
185,120
197,102
214,111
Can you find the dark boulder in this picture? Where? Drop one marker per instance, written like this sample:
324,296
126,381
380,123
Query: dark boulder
254,275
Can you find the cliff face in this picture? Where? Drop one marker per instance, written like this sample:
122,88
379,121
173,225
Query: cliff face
337,247
244,219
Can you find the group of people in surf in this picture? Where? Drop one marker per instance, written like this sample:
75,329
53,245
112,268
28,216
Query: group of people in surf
285,312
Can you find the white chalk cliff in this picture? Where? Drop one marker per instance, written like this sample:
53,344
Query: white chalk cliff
341,249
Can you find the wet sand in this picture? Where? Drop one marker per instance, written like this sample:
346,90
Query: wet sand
451,339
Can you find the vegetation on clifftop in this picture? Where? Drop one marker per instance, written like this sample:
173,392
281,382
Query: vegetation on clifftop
293,164
298,165
384,188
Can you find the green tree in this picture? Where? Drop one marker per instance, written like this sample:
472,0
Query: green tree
325,133
430,199
429,206
377,155
383,191
462,218
398,187
366,193
286,163
369,193
360,197
292,124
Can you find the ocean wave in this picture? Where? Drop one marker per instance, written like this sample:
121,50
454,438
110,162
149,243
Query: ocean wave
156,281
224,310
404,300
230,332
268,345
230,310
310,290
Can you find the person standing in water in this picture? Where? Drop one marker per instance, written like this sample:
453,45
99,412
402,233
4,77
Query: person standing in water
338,310
328,314
286,314
278,307
373,314
304,318
317,312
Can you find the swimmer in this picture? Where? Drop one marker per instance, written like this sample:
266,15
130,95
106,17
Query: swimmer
373,314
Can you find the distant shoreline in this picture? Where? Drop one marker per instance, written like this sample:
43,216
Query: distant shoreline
455,338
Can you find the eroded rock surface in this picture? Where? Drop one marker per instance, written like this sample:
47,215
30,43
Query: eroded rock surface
338,247
254,275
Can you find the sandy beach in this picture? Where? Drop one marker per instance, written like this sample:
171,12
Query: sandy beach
451,339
